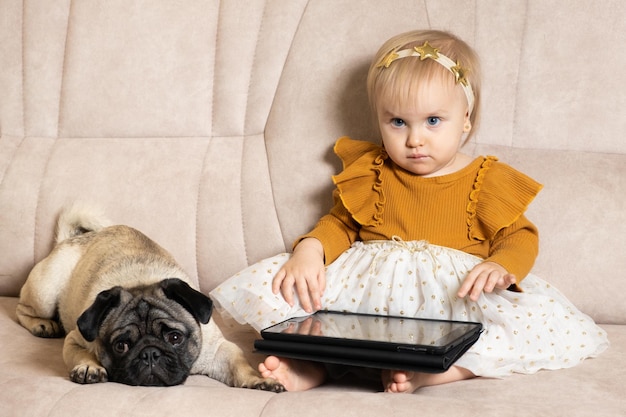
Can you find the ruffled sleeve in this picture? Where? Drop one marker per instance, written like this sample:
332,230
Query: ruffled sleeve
360,183
499,197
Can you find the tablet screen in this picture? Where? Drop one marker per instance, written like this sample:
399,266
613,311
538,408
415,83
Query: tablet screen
378,329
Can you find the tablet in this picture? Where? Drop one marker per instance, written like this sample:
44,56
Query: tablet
389,342
374,332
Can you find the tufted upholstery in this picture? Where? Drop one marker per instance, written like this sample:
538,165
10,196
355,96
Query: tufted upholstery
209,125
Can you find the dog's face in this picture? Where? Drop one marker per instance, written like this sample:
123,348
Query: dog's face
147,335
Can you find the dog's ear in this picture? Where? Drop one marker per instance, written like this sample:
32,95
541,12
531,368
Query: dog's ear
89,322
199,305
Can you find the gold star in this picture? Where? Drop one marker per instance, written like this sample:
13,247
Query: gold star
427,51
388,59
460,73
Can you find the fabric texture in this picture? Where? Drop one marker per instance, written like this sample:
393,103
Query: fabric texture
479,209
524,332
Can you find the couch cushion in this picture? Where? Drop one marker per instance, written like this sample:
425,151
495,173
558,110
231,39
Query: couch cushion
34,381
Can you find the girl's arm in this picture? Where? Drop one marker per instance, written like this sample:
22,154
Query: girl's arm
304,273
516,247
337,231
512,254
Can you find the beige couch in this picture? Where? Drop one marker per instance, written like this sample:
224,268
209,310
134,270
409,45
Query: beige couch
209,125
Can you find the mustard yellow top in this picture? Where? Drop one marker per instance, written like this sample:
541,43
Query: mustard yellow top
479,209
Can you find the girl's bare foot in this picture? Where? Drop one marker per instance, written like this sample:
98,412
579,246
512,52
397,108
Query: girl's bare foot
405,381
295,375
401,381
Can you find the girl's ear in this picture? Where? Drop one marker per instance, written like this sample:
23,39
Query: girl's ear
468,124
467,127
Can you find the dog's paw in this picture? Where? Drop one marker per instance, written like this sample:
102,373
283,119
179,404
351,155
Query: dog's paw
46,328
85,374
269,384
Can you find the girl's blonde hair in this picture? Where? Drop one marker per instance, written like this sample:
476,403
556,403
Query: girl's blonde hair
399,81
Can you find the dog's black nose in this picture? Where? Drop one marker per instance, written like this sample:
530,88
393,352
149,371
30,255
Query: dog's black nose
150,356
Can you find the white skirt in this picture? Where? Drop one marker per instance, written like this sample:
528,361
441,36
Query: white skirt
524,332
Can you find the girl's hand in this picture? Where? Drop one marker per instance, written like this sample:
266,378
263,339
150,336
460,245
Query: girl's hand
485,277
305,271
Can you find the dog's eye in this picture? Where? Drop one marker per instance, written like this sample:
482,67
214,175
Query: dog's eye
120,347
174,338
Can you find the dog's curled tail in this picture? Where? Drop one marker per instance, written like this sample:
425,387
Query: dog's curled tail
78,219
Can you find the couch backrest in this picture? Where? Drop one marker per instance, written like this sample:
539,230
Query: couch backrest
209,124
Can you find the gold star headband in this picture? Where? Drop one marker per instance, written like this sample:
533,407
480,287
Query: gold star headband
427,51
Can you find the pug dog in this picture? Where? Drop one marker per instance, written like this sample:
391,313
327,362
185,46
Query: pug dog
129,312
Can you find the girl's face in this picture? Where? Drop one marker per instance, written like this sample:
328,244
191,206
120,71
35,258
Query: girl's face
424,136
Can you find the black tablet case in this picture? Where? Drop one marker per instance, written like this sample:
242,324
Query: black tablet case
329,351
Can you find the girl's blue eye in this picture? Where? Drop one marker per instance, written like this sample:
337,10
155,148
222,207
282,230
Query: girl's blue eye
397,122
433,121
